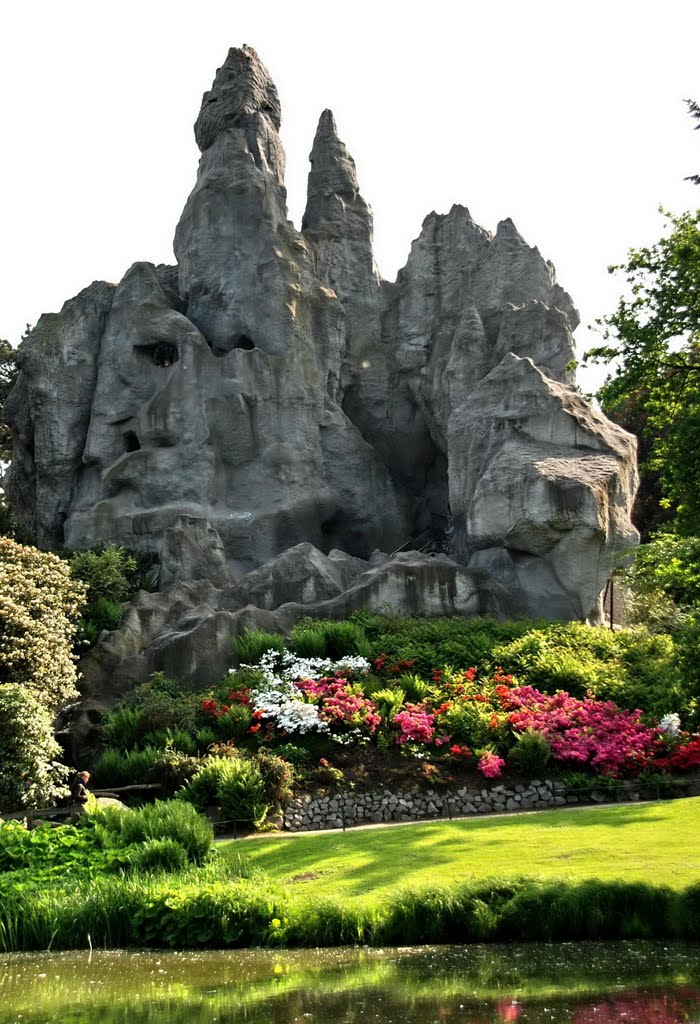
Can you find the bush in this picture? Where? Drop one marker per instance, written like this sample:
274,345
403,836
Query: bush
432,643
277,776
107,574
30,774
531,752
164,703
232,724
307,640
633,667
328,638
39,609
250,646
203,788
173,739
122,768
236,785
124,727
153,854
242,796
165,819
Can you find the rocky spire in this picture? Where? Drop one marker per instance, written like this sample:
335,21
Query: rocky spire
244,96
338,221
332,177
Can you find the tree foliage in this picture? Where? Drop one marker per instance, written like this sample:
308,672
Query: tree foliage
653,341
694,111
30,773
8,375
39,606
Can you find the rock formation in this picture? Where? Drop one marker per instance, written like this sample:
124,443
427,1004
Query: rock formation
271,390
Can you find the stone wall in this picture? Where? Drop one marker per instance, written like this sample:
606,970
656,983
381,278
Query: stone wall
342,810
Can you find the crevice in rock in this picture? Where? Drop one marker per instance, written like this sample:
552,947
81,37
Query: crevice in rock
165,355
131,441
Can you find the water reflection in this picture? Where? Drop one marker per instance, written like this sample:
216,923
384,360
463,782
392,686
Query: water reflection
590,983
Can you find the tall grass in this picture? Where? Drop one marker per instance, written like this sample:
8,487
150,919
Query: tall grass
165,819
250,646
194,909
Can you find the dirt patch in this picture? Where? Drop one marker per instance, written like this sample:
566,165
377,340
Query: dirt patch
307,876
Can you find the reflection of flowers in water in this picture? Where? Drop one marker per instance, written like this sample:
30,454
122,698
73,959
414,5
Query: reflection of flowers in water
636,1009
508,1010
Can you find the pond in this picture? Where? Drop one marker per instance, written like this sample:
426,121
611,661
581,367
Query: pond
582,983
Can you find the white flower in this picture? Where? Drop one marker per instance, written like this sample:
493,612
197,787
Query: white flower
670,724
279,698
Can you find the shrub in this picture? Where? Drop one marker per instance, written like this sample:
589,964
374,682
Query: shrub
166,854
250,646
235,784
242,795
531,752
39,608
633,667
174,739
307,640
431,643
295,755
122,768
30,774
165,819
203,788
124,727
164,703
107,574
277,776
232,723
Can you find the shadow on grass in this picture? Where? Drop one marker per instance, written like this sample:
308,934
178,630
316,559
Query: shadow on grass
364,860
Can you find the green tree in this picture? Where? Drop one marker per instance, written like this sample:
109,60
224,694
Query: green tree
9,371
694,111
653,341
8,375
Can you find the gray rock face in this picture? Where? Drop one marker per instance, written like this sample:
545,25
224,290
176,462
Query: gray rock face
270,399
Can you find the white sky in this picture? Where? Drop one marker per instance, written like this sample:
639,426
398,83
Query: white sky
567,117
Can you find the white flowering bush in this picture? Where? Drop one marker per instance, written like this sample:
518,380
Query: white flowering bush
280,700
30,774
670,725
39,607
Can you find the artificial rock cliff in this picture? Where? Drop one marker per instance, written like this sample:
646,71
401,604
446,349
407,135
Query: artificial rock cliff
271,393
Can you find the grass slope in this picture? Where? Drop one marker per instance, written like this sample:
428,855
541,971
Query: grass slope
655,843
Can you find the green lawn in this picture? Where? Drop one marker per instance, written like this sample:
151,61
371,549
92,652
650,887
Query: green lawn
656,843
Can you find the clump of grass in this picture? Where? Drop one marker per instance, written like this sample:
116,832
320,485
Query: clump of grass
250,646
165,819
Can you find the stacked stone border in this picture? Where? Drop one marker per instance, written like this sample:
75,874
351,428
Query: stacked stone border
308,812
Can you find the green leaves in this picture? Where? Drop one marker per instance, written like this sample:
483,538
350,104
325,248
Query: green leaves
653,340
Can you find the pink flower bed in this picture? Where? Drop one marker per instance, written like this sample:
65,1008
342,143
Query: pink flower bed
417,725
338,703
591,732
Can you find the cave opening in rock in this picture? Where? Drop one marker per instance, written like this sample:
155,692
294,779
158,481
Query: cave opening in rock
131,442
165,355
243,341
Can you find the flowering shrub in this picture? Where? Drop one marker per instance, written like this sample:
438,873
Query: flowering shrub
455,709
339,704
39,609
30,773
416,725
684,758
670,725
490,765
596,733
